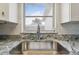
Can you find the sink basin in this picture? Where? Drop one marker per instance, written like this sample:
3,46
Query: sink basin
39,45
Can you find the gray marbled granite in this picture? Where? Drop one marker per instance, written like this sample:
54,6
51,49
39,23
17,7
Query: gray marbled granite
67,37
33,36
70,42
12,41
7,45
9,37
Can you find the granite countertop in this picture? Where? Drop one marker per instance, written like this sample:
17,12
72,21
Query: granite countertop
7,45
64,44
67,45
42,40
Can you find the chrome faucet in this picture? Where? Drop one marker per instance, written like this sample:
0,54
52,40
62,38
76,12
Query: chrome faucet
38,22
38,32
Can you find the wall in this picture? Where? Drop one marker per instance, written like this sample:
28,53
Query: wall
6,28
69,28
17,29
75,11
61,29
12,29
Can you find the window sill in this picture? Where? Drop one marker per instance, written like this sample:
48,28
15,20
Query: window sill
42,31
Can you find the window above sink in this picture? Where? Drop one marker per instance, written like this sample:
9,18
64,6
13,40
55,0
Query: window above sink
42,11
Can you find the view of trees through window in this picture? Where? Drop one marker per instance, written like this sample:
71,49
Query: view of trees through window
41,11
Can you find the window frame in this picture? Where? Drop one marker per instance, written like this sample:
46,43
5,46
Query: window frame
34,31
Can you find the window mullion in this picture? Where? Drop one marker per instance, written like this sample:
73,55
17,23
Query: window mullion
38,16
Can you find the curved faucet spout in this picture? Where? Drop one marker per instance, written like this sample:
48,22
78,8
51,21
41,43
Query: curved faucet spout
38,32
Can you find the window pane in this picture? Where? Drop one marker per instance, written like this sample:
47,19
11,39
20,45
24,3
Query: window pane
46,23
32,9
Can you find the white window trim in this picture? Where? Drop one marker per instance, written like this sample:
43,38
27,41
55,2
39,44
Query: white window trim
34,31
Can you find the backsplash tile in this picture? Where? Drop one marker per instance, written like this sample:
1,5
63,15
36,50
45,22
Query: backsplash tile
68,37
4,37
33,36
